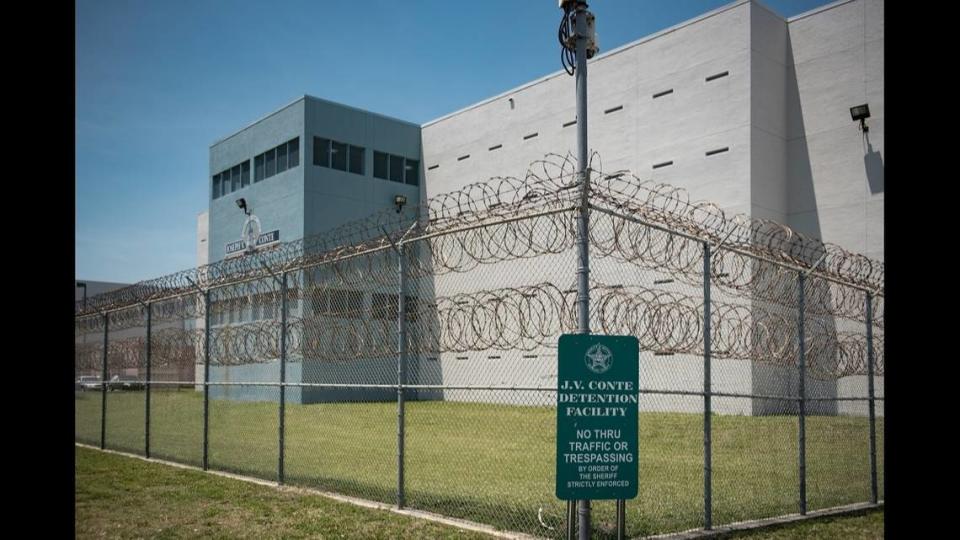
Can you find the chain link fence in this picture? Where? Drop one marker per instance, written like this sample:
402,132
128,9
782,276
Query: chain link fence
411,359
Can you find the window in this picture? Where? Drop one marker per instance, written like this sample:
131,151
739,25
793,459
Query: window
255,303
413,172
396,169
380,165
293,152
345,304
216,186
384,307
258,172
227,187
245,175
411,307
338,155
281,158
235,177
321,152
356,159
278,159
270,305
271,162
318,302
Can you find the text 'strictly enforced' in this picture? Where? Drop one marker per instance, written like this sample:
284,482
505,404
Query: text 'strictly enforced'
597,401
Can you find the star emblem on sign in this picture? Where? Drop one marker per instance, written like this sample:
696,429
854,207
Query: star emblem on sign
598,358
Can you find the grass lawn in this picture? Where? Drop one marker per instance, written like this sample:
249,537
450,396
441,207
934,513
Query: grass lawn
865,526
494,463
120,497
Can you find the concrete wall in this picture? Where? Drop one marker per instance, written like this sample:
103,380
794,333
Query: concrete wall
278,200
697,117
836,173
333,197
95,287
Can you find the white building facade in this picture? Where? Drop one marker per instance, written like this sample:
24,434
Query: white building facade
739,106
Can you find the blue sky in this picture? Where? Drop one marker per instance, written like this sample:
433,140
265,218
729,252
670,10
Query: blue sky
158,81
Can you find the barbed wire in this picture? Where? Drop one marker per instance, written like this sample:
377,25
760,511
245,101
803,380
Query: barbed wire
456,244
526,318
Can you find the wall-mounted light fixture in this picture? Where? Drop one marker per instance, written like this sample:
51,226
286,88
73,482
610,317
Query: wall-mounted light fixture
399,201
861,113
242,203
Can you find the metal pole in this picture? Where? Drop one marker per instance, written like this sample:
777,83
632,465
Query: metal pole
283,373
401,368
571,519
621,519
103,384
206,378
583,219
707,387
146,431
803,397
874,493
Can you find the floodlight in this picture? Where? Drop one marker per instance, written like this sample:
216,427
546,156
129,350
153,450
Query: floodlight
399,200
861,113
242,203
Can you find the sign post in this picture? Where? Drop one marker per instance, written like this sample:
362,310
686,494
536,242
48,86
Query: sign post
597,403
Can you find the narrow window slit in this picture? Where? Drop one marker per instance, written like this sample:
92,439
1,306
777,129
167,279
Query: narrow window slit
530,136
432,167
570,123
461,158
664,164
661,94
615,109
717,76
718,150
497,147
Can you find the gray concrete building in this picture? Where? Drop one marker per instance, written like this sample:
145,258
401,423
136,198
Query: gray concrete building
740,107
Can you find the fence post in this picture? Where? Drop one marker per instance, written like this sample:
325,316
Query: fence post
206,377
283,372
707,441
401,367
874,494
803,396
103,383
146,429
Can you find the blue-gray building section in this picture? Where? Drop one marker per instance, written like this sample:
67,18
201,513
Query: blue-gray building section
301,201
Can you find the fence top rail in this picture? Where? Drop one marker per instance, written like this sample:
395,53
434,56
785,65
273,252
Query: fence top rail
547,187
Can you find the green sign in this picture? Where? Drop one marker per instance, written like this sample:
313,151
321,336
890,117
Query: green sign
597,402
